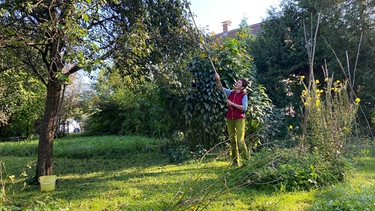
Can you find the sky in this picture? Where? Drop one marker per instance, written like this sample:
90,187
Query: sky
211,13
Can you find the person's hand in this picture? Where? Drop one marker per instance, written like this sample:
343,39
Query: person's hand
230,103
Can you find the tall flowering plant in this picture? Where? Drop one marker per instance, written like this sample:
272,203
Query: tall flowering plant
329,114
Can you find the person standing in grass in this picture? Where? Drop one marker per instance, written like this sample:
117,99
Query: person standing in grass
237,105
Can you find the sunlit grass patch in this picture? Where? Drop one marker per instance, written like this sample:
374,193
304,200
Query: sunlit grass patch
347,196
365,167
146,180
280,201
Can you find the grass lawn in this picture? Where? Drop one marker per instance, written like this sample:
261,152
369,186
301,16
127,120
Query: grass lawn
131,173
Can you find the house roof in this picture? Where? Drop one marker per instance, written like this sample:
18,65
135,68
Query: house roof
255,29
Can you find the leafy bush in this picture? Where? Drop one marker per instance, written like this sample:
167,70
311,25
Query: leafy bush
22,101
264,120
283,169
177,150
205,105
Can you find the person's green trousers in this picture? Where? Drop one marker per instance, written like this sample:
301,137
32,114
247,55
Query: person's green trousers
236,131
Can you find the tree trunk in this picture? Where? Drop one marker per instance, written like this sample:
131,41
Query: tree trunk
47,132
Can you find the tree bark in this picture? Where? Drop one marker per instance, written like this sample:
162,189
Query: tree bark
47,133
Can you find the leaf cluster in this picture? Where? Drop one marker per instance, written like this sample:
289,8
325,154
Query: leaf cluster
21,103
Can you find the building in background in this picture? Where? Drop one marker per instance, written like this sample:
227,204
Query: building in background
255,29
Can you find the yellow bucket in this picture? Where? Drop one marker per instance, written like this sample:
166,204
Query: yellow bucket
47,183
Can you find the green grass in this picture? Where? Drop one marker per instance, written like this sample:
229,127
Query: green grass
356,193
131,173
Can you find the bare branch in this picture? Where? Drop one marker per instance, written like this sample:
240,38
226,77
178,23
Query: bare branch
357,58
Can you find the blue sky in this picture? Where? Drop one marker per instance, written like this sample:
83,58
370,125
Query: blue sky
212,12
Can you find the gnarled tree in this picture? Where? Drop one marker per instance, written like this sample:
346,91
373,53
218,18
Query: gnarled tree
56,38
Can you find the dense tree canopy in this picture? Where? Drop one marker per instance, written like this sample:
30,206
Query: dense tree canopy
344,42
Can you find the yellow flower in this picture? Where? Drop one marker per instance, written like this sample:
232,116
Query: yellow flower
326,79
291,127
192,208
317,102
304,92
212,33
357,100
319,91
317,81
203,55
220,68
12,178
338,81
302,77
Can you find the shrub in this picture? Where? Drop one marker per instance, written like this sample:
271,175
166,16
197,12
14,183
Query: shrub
329,114
178,150
283,169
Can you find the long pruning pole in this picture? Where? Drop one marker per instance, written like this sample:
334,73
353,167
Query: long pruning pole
206,49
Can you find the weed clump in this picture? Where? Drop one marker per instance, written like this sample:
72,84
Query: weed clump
283,169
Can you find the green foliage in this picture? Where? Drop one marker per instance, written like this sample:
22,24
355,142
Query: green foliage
318,157
2,183
7,182
122,106
279,51
283,169
159,37
154,42
349,197
329,116
21,102
177,153
203,111
264,120
51,40
177,150
75,99
204,106
180,101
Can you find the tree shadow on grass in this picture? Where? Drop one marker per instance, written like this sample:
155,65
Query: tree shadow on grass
140,179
